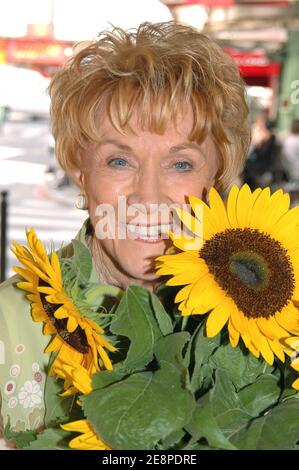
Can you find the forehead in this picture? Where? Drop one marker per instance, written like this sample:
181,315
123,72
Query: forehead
178,126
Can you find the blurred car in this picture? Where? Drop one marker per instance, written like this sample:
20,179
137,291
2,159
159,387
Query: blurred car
23,91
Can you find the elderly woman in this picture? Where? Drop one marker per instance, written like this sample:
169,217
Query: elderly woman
144,117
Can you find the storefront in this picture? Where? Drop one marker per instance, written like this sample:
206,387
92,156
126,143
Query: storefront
41,54
262,79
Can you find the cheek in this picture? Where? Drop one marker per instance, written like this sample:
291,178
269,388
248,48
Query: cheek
101,190
194,186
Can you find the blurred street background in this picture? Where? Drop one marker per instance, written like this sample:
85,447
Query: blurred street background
38,36
33,197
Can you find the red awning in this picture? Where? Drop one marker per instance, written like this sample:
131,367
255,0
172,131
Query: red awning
254,64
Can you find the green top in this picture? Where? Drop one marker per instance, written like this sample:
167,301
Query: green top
23,363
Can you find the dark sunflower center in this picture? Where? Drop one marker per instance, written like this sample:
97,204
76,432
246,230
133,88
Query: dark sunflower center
253,268
250,268
77,339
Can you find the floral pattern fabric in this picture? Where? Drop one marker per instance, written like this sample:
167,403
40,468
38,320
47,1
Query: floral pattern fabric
23,363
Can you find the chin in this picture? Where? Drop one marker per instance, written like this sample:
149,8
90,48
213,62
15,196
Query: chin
140,273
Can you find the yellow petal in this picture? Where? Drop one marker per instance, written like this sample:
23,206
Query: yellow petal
278,206
54,345
231,206
28,275
184,278
260,342
286,224
202,210
234,335
45,290
218,207
244,205
270,328
183,293
105,358
248,343
56,266
27,286
192,223
61,312
195,298
39,315
239,321
288,318
81,425
295,384
277,348
259,207
71,323
186,243
216,320
49,329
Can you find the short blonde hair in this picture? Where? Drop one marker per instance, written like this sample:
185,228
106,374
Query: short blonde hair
159,67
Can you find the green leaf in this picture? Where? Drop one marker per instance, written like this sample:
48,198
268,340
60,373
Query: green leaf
139,411
197,446
261,395
171,440
242,367
105,378
220,414
203,349
59,409
204,424
277,430
82,263
227,407
21,439
51,439
135,319
169,350
162,317
289,375
190,347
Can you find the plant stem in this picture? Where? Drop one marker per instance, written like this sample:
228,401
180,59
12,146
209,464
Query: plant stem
184,323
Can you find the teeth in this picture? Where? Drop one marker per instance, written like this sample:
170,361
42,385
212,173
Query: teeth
165,228
152,231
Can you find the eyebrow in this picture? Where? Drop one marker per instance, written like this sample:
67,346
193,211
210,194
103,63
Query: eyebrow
186,146
115,142
174,149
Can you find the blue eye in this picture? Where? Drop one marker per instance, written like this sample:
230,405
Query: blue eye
185,166
118,162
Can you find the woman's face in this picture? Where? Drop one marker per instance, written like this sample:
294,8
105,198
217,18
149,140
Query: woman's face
135,175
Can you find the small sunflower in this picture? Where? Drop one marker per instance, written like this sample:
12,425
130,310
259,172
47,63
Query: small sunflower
78,380
241,266
74,336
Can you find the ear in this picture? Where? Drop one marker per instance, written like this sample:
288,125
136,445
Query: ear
78,177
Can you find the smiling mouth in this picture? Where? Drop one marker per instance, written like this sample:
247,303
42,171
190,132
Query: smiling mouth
151,233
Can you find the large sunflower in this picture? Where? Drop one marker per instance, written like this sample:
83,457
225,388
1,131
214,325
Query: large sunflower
79,381
242,266
73,335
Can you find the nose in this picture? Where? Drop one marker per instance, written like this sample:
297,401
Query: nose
147,191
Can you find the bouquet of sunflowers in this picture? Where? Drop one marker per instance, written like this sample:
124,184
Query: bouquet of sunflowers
210,362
